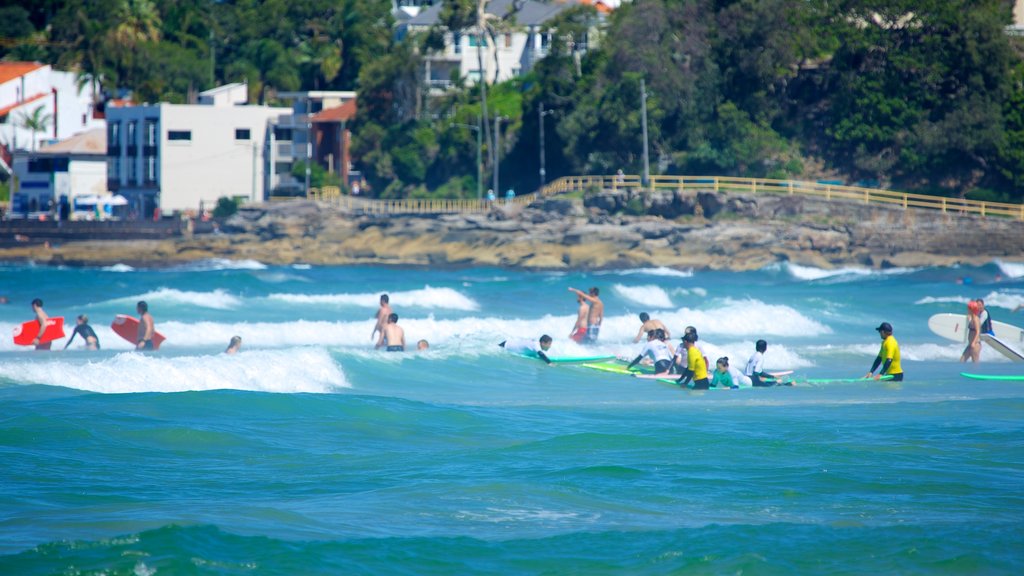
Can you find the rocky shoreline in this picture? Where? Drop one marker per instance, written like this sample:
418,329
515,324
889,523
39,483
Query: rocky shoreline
610,229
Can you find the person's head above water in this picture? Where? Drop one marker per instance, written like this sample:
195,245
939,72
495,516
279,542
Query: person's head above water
393,318
545,342
37,303
142,307
761,346
644,316
384,299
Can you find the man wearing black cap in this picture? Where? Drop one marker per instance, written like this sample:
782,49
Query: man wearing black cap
888,357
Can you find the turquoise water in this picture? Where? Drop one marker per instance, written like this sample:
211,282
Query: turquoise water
310,453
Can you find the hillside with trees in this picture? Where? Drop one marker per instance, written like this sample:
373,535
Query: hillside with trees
917,95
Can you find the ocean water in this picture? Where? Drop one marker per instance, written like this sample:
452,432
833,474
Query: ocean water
311,453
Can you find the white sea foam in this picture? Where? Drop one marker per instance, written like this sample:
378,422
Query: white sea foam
914,352
659,271
1011,269
999,299
216,299
118,268
943,300
650,296
215,264
427,297
811,273
310,370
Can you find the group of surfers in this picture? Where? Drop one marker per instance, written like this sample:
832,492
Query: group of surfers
143,340
392,336
688,363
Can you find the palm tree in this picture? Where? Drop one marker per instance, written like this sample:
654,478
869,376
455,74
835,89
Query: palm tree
37,121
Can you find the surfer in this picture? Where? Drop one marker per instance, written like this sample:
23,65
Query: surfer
92,342
649,324
696,366
539,348
596,314
657,350
382,315
679,360
973,348
422,345
984,320
726,376
579,331
888,356
42,318
146,327
392,336
234,345
755,367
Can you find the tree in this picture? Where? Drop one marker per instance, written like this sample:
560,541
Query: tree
38,121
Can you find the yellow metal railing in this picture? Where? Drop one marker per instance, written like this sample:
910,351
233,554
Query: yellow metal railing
573,184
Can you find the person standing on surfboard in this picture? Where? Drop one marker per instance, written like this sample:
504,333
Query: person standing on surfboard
42,318
888,357
92,342
146,327
579,331
382,316
596,314
392,335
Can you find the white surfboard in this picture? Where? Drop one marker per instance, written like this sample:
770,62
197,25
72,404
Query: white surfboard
954,327
1002,347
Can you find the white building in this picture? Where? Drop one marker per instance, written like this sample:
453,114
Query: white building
60,173
186,157
316,131
27,86
518,49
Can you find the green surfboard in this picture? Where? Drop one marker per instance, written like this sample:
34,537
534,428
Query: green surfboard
839,380
1004,377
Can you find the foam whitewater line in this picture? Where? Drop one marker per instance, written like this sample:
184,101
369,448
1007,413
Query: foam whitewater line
426,297
927,352
219,264
217,299
998,299
1010,269
117,268
649,295
306,370
810,273
659,271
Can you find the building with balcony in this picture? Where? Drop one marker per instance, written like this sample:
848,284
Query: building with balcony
181,157
58,174
316,131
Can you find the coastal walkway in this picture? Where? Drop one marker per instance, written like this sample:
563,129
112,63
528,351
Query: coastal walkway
575,186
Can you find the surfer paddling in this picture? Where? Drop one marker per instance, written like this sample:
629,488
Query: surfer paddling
888,356
538,348
383,313
146,327
42,318
392,336
596,314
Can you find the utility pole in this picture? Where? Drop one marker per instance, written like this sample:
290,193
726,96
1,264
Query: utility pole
497,153
540,118
479,157
643,114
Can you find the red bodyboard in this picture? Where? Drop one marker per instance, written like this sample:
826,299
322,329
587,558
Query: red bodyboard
127,327
27,332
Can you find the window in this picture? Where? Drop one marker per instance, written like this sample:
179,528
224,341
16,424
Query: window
508,40
113,138
131,171
283,134
114,169
179,135
131,134
457,42
150,169
476,40
282,167
150,132
242,134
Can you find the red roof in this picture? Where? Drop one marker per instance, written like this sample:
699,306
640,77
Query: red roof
12,70
6,109
342,113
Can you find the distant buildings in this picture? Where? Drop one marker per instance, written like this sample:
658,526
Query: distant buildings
63,103
317,132
70,170
186,157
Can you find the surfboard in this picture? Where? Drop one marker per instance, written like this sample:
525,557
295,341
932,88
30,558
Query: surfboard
570,359
27,332
954,327
993,376
659,376
127,327
780,373
616,367
1003,348
838,380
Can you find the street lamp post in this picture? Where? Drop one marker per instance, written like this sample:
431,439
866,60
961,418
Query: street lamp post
541,113
497,150
643,113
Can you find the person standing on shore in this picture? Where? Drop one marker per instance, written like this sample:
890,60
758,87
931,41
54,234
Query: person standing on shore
392,336
888,356
596,314
579,331
92,342
147,327
42,318
382,316
649,324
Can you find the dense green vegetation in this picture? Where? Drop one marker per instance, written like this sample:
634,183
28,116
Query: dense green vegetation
921,95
